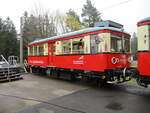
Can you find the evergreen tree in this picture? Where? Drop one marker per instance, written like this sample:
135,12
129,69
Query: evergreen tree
90,14
8,37
1,36
11,47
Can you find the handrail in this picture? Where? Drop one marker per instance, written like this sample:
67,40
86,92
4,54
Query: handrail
25,65
8,77
5,59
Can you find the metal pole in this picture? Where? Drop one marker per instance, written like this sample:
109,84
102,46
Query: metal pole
123,49
21,41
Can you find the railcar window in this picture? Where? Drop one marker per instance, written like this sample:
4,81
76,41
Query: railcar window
94,43
35,50
31,51
66,46
77,45
70,46
116,44
41,50
28,51
127,44
45,49
58,48
103,41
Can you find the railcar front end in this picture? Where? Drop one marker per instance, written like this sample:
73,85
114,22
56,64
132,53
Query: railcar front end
144,51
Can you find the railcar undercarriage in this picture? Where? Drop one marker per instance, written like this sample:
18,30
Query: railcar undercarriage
101,78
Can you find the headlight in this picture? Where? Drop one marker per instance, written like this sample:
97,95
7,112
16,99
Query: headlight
130,59
114,60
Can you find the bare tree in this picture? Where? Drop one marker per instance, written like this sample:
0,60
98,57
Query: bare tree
60,24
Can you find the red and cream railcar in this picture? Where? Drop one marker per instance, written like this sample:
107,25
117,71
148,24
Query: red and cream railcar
101,52
144,51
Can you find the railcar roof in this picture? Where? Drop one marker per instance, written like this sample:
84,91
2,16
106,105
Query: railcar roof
144,20
83,31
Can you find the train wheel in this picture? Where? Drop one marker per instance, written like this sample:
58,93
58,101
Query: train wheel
43,71
86,79
73,76
101,82
54,73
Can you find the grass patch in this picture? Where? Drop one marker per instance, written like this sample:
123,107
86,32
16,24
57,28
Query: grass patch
134,65
132,80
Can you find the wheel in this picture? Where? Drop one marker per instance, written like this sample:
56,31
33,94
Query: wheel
73,77
54,73
101,82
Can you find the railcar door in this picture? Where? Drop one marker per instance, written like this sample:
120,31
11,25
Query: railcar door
51,54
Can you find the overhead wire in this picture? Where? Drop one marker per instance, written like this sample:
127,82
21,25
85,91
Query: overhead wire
115,5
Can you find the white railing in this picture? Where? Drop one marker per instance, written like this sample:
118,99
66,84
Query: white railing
8,66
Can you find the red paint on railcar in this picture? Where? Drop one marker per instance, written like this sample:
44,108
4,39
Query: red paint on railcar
144,63
122,61
143,23
38,61
98,62
82,62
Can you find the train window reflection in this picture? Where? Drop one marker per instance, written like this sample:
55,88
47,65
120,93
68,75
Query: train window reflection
116,45
35,51
66,46
77,45
45,49
41,50
31,51
127,45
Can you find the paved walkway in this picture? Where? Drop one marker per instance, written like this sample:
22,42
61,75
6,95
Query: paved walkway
111,99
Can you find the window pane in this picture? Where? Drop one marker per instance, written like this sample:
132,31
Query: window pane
66,46
31,51
45,49
78,45
35,51
87,44
41,50
104,42
116,45
58,48
127,45
94,43
28,51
